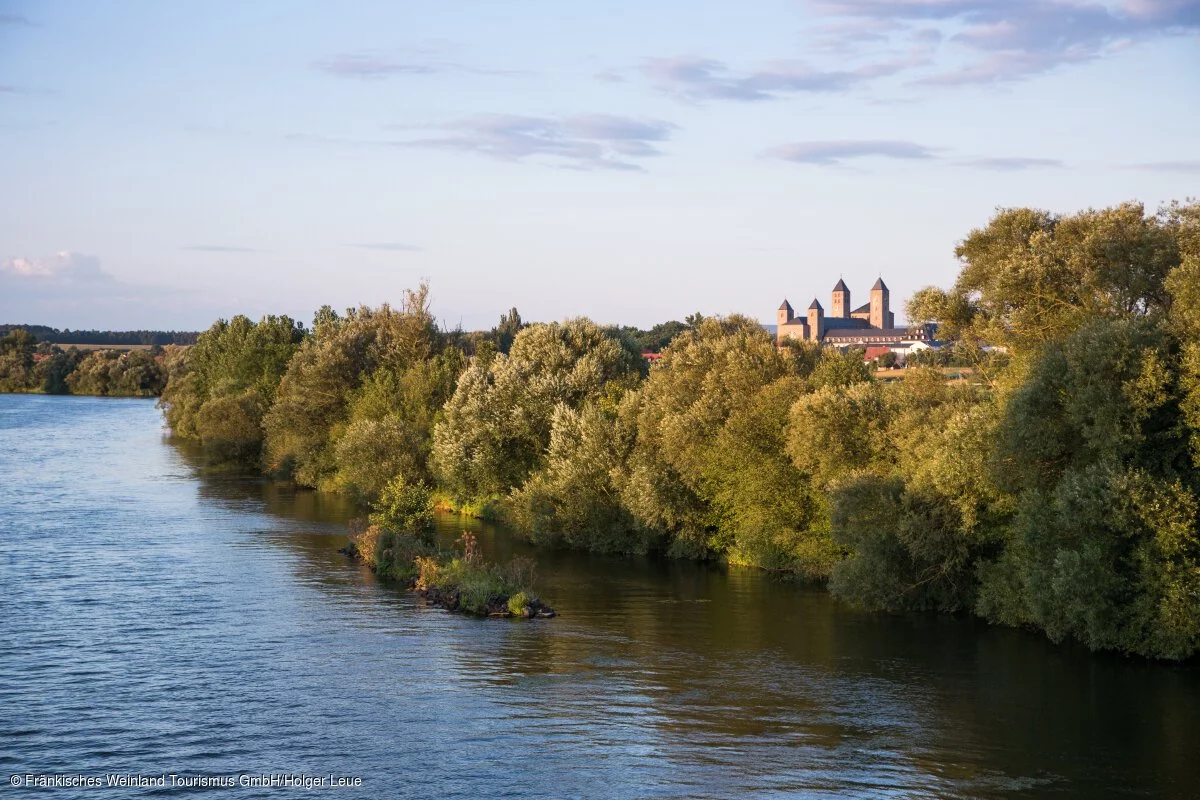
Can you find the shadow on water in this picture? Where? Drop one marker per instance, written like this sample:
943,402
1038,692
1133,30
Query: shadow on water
719,668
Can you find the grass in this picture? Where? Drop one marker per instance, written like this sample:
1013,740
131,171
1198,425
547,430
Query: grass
489,509
90,347
952,374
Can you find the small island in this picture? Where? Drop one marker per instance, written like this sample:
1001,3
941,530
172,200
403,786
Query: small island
456,581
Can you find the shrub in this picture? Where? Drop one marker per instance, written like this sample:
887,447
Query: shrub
480,587
404,506
518,604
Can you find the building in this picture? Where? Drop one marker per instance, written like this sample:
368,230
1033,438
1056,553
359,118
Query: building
870,324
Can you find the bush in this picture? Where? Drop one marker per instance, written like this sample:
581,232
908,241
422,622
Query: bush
404,506
518,604
479,587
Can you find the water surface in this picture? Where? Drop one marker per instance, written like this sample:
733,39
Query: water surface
159,621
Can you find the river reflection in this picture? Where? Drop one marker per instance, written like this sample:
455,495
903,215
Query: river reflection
659,679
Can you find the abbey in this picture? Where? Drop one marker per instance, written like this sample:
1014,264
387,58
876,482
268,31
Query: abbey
870,324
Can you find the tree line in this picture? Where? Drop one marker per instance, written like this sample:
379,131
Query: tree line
45,333
27,365
1059,493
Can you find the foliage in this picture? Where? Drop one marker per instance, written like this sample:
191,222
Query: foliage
479,586
50,374
373,372
840,368
16,360
1105,546
658,337
1031,277
220,391
114,339
497,426
1060,494
504,333
27,365
574,498
837,430
131,373
518,604
705,375
770,515
391,554
404,505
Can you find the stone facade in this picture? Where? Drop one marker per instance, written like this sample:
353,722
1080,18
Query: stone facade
870,324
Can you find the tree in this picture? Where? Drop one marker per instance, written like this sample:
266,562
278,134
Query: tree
133,373
365,385
1105,545
705,375
1031,277
497,426
504,333
770,513
16,360
219,390
574,498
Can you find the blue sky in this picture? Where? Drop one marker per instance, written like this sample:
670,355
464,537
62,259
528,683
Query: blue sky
163,164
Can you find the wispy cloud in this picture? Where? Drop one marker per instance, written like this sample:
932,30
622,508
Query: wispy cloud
1168,166
219,248
8,89
13,19
831,153
591,141
396,247
368,66
696,78
1002,164
1007,41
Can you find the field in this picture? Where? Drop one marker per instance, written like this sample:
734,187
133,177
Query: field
90,347
953,374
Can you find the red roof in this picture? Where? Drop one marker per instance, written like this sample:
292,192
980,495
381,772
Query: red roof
875,351
651,357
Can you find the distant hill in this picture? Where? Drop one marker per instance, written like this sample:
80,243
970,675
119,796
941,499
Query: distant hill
45,333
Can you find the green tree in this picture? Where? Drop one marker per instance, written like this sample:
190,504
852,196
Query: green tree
705,374
1105,546
132,373
769,512
1031,277
372,371
504,333
913,505
497,426
16,360
218,392
574,498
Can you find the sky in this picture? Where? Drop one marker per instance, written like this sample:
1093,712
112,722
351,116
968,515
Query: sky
165,164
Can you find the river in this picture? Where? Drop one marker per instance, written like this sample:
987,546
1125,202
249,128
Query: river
158,621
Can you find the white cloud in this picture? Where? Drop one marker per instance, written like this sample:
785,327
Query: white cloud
62,267
72,290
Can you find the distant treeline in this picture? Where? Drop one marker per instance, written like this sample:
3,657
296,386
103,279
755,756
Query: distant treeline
1060,493
44,333
27,365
